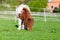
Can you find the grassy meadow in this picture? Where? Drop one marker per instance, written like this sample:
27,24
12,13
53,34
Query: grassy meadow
41,30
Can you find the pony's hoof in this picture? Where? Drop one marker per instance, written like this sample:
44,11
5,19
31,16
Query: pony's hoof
18,29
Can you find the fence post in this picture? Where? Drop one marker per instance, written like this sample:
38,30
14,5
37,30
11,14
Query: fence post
15,18
44,15
15,15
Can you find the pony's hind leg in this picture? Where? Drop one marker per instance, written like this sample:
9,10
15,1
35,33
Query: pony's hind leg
22,26
19,24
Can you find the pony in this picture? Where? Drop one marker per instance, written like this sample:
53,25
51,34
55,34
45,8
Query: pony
26,18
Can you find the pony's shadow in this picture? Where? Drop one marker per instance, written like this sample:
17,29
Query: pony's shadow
24,27
16,26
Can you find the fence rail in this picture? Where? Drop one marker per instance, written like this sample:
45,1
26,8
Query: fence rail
32,13
46,16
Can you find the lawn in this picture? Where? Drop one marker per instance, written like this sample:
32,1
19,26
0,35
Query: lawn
49,30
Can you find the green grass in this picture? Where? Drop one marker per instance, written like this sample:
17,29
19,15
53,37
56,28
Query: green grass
49,30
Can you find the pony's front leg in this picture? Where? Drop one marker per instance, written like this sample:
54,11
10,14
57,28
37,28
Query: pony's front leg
19,23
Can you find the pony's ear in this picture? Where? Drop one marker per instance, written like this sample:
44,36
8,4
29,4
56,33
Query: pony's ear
25,9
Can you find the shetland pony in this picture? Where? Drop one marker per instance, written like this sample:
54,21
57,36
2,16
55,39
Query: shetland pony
26,18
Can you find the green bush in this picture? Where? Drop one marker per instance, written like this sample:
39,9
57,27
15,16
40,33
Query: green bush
37,5
36,9
56,10
2,8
